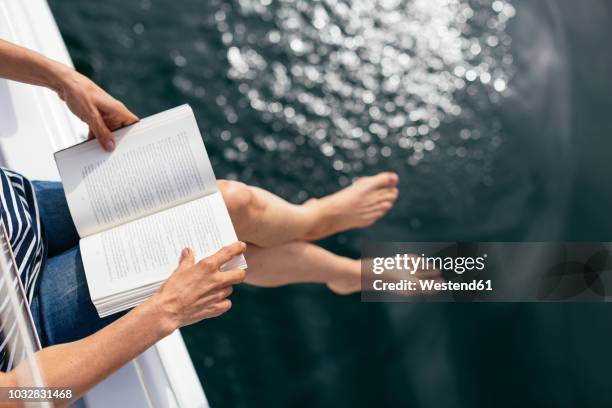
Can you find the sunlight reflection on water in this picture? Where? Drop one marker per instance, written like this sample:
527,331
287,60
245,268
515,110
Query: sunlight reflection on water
301,97
364,86
467,100
364,78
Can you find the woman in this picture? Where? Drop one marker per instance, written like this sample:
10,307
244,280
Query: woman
45,244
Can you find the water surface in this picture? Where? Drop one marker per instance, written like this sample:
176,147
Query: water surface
484,109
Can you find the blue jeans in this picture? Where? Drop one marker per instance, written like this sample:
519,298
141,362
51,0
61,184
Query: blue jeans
62,308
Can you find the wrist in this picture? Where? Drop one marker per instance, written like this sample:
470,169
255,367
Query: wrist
167,322
58,76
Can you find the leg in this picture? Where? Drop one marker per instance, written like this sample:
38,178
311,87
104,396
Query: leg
301,262
263,218
267,220
65,311
59,229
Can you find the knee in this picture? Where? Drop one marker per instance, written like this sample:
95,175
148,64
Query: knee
238,196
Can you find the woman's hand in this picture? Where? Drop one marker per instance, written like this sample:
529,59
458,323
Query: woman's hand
94,106
195,291
89,102
198,291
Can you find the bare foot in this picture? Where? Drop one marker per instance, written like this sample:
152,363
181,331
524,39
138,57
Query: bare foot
349,282
360,205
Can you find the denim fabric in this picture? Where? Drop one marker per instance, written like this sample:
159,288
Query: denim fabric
61,233
62,308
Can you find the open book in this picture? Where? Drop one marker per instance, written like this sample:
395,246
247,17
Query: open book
136,208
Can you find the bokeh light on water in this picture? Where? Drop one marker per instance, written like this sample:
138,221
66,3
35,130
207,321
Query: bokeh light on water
352,88
468,100
372,82
301,97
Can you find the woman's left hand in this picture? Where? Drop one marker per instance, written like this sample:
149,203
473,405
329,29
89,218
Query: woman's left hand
94,106
88,101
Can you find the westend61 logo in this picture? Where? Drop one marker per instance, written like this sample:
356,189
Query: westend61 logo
487,271
414,263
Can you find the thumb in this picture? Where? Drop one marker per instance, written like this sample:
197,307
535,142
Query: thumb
187,258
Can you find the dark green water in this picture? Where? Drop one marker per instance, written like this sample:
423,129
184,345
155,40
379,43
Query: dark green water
495,115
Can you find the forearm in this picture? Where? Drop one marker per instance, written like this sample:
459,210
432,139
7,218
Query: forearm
24,65
82,364
194,292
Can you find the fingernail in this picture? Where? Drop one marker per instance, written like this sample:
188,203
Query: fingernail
185,252
109,145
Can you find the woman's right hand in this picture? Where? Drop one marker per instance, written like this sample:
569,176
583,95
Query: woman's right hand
198,290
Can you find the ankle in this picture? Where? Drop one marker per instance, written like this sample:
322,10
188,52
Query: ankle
315,211
347,279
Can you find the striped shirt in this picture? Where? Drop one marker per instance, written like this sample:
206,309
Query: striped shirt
19,212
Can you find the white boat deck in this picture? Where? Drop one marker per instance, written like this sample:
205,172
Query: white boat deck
34,123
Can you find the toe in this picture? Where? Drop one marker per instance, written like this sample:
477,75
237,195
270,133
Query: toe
381,196
383,204
386,206
377,215
381,180
392,178
387,179
390,195
378,210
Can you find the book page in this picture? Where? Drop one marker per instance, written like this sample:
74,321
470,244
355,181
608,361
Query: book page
147,250
158,163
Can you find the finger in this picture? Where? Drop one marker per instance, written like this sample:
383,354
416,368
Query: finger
223,306
122,116
187,258
225,292
213,310
102,133
130,117
222,256
217,296
232,277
